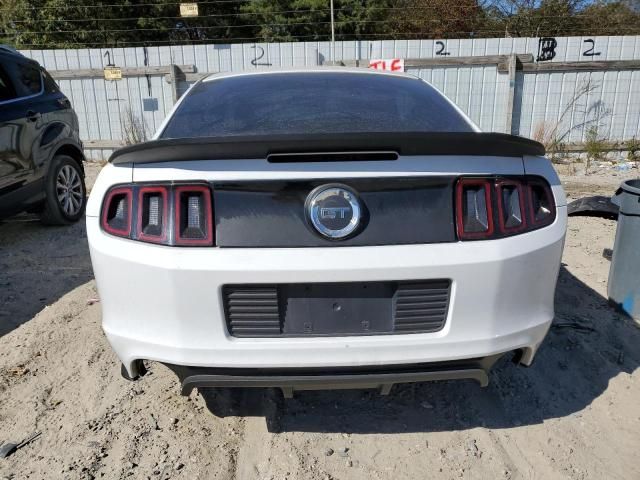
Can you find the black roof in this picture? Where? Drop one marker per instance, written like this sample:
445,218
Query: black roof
6,51
10,50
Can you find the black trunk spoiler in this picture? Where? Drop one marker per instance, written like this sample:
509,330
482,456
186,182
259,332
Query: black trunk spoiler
263,146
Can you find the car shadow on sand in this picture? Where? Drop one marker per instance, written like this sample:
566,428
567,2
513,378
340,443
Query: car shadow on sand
589,345
38,265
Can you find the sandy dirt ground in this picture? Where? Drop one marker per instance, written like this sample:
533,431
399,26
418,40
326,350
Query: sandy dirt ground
575,414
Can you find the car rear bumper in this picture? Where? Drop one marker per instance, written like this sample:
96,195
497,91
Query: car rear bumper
165,303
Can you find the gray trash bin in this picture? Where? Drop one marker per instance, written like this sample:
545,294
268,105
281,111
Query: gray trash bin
624,274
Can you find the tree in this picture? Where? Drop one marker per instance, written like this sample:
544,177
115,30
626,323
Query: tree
368,19
532,18
7,9
282,20
611,18
555,18
285,20
86,23
436,18
98,23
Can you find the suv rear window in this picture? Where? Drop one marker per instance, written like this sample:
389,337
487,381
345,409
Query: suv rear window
7,90
313,102
50,85
28,79
19,78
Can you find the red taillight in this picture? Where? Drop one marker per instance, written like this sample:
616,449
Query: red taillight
153,215
513,205
511,210
474,209
116,212
542,208
164,214
193,218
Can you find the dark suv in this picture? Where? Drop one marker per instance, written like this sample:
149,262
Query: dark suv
41,159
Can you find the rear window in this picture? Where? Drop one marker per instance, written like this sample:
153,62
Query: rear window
50,86
19,79
27,78
297,103
7,90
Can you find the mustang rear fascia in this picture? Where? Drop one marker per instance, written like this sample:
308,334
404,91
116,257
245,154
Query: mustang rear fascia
165,302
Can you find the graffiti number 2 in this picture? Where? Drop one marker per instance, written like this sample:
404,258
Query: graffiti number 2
254,62
441,50
589,52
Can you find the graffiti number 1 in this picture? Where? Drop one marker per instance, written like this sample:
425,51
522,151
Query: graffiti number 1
108,56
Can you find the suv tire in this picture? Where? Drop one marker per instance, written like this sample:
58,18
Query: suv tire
66,193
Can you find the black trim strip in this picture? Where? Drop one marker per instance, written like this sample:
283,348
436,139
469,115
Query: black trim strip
332,157
261,146
288,384
290,379
394,211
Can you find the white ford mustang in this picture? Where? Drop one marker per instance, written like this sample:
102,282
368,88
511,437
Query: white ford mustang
326,228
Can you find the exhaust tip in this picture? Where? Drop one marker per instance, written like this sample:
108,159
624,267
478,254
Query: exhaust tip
136,371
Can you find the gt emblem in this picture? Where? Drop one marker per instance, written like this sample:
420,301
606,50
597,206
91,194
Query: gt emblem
334,211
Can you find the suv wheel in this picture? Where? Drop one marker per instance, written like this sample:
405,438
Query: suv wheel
66,192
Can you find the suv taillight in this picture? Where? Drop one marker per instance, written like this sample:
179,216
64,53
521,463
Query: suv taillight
496,207
179,214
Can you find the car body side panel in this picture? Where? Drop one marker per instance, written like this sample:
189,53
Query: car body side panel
17,138
28,188
542,167
109,175
32,130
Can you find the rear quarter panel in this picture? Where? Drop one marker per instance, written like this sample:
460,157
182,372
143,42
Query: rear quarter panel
542,166
108,176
